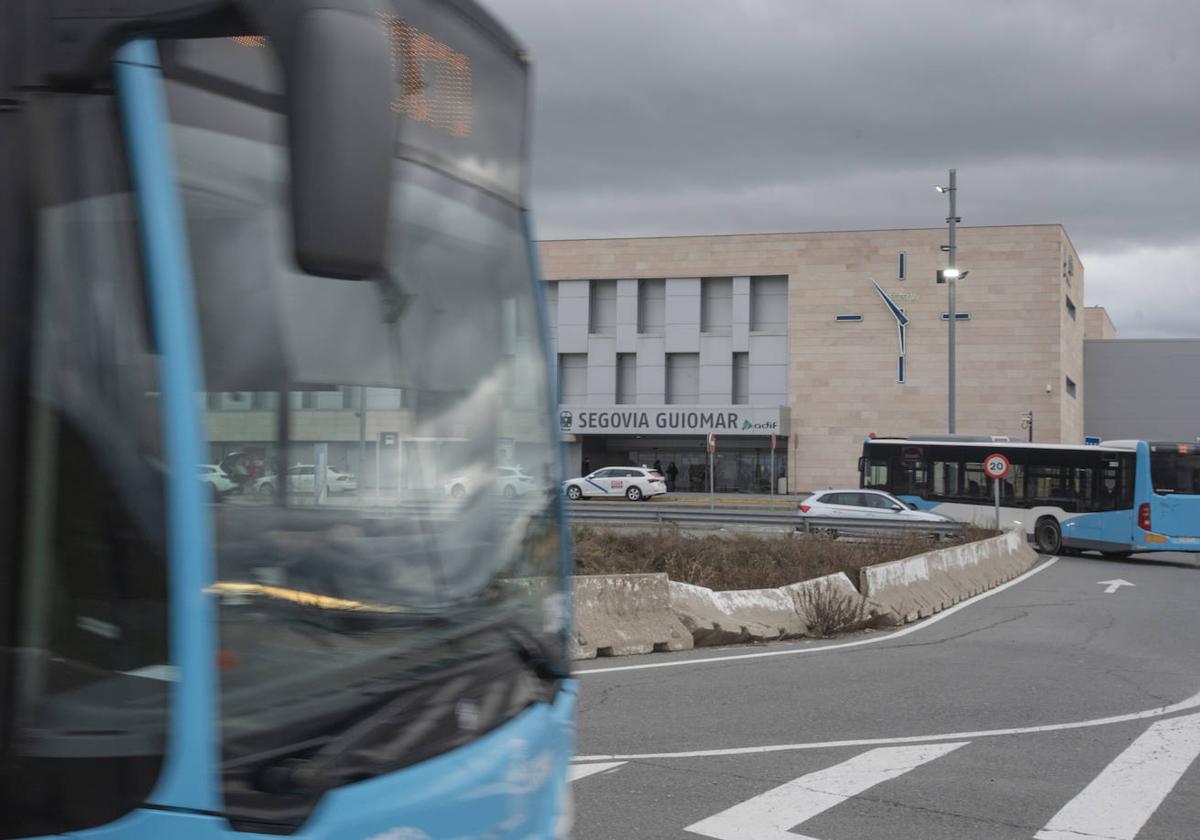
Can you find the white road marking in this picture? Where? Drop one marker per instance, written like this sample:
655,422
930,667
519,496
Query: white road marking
770,815
1190,703
1113,585
581,771
1122,798
929,622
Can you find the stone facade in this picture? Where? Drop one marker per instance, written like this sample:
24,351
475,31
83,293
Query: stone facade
1021,350
1097,326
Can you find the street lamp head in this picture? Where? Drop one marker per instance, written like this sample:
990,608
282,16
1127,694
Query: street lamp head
942,189
951,273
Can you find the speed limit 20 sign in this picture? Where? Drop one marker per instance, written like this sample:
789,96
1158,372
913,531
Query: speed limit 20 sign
996,466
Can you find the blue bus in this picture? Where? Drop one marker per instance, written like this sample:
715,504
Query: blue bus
1118,498
279,208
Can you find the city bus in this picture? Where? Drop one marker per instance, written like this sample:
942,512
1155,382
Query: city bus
1118,498
273,200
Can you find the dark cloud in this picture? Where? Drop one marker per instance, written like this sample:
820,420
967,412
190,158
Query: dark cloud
694,116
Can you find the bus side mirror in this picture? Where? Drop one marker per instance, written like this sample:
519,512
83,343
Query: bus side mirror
341,133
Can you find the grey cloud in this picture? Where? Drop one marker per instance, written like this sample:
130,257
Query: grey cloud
693,116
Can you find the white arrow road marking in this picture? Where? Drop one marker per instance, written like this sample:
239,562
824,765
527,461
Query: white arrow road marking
1122,798
582,771
1113,585
770,815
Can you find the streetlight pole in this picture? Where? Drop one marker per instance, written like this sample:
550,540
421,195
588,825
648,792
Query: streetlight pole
951,279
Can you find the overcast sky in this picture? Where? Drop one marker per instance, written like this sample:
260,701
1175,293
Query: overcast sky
731,116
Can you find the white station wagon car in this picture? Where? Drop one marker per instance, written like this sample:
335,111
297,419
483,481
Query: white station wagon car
215,477
634,483
509,482
302,479
864,504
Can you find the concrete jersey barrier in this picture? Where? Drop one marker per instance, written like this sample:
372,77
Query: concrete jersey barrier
618,615
917,587
752,615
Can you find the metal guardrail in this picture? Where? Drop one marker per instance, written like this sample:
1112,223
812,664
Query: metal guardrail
639,513
729,513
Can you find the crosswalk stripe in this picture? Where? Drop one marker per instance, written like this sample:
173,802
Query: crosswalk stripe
769,816
1128,791
582,771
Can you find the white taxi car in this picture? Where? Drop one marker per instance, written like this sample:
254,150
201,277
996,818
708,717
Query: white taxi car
632,483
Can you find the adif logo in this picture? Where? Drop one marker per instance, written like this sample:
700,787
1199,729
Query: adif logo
769,425
566,420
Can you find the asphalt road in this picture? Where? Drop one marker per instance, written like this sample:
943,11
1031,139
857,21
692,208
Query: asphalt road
1047,709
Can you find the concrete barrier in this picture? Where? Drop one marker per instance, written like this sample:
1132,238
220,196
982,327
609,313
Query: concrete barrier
618,615
917,587
751,615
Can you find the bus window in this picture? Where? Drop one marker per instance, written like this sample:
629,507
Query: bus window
876,474
1175,468
945,479
1114,489
86,739
976,485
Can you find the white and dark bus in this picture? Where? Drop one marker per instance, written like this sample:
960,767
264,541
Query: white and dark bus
1118,498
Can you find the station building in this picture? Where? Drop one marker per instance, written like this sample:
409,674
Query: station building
809,341
789,348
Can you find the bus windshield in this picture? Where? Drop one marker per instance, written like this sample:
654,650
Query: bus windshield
1175,468
384,505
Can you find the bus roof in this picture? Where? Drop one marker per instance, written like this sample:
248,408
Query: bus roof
1106,446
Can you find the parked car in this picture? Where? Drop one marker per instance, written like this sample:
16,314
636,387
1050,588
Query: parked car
215,477
864,504
509,482
634,483
302,479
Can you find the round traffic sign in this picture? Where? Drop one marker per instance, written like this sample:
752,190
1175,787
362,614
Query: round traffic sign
995,465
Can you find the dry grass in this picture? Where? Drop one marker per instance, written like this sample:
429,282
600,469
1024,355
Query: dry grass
831,610
739,561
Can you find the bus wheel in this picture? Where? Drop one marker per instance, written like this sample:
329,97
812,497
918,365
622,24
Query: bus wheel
1048,536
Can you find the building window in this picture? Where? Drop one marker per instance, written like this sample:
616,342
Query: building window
716,304
768,304
1071,308
1070,387
264,400
901,266
552,307
602,307
572,377
741,378
652,306
626,378
683,378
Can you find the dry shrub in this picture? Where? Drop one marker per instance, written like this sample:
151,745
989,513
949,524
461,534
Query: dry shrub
831,610
731,560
